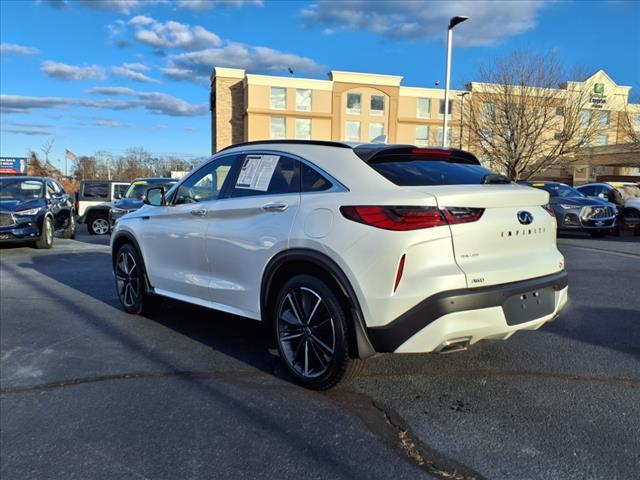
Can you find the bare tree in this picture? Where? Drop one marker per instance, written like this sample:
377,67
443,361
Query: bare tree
523,120
630,120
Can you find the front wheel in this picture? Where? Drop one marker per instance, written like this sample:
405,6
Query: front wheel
311,332
99,225
131,284
46,235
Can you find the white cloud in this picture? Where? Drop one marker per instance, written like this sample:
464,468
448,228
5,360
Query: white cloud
489,21
72,72
141,20
197,66
137,66
132,73
120,6
24,104
14,49
154,102
173,34
201,5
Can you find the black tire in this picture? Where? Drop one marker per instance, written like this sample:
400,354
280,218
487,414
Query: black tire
131,283
312,334
98,224
70,230
46,235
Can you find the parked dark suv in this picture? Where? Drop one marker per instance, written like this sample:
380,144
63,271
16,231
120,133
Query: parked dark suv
577,213
133,197
32,208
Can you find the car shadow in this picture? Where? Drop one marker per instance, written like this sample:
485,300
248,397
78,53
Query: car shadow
90,274
624,237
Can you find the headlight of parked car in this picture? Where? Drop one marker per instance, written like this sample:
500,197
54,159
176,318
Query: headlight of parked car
31,211
568,207
117,211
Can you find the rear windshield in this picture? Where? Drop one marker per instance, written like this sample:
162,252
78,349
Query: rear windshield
407,172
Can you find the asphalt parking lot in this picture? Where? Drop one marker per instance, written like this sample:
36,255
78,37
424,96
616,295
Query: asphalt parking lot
88,391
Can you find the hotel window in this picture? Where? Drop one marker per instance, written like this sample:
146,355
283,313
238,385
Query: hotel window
423,109
486,137
353,103
303,128
442,108
375,130
440,135
377,105
277,127
278,98
585,117
488,110
602,140
604,119
422,135
352,131
560,111
303,100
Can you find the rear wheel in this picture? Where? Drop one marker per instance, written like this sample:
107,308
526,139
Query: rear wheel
311,332
46,235
98,225
70,230
131,284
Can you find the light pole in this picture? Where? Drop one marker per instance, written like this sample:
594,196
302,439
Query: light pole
452,23
462,95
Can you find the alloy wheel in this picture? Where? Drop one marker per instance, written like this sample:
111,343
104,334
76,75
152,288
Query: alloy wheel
100,226
127,279
306,332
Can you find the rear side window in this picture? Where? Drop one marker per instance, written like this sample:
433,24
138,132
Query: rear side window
97,190
417,172
120,188
312,181
267,175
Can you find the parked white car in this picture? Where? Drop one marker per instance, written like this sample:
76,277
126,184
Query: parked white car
347,250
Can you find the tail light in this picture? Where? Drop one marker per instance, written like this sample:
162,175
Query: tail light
409,218
549,210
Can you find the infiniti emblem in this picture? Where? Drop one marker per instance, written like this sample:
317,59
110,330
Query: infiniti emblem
525,218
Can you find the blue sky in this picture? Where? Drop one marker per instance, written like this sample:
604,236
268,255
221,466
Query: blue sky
108,75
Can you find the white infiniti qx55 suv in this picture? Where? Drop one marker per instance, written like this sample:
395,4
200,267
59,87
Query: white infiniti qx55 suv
347,250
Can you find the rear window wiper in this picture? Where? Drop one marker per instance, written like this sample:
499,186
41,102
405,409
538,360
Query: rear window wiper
495,178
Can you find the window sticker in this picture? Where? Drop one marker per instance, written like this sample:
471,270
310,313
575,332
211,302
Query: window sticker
257,171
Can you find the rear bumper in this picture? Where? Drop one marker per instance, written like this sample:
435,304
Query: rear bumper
475,314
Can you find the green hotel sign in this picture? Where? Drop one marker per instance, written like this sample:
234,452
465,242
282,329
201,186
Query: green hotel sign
598,98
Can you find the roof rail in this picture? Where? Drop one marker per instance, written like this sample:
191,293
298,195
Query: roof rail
325,143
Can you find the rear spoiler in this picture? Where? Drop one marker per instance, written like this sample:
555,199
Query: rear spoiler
380,153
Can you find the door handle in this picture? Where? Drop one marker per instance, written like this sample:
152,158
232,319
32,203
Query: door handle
275,207
200,212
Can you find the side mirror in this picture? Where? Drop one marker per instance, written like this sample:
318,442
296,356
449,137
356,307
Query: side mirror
154,196
117,196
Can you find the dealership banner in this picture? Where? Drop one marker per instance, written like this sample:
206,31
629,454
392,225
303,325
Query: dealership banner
15,165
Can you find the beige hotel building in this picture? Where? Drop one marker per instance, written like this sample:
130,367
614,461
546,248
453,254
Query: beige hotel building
358,107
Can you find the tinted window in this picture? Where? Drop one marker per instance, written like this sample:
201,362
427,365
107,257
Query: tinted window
267,175
59,187
138,188
407,172
208,183
558,190
95,190
120,188
20,189
51,189
312,181
589,191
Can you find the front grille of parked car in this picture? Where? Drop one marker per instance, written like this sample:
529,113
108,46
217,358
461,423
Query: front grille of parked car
597,213
6,219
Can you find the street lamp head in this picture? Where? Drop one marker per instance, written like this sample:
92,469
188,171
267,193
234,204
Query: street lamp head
456,20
